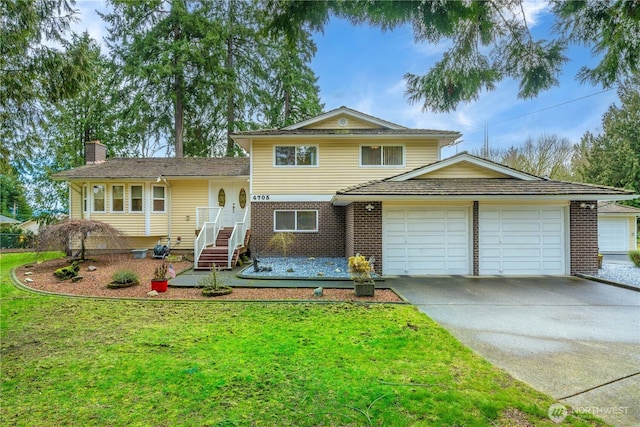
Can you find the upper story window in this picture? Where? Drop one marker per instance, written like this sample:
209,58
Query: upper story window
136,198
158,198
117,198
381,155
296,155
98,198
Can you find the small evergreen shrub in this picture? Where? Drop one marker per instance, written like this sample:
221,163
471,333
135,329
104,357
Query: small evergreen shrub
634,256
212,286
123,279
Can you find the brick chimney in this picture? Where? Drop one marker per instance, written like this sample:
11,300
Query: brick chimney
94,152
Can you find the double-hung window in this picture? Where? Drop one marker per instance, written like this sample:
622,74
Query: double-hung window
136,198
381,155
296,221
85,199
296,155
117,198
98,194
158,198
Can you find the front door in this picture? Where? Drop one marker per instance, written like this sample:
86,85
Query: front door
229,197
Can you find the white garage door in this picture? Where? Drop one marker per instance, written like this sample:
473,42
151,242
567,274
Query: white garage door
523,240
425,241
613,234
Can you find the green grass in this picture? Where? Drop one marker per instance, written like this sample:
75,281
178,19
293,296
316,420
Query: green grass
85,362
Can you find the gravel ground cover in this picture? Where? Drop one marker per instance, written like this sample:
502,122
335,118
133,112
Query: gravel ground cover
94,283
620,273
297,267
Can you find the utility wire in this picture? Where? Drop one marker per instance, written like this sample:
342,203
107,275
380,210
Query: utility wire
550,107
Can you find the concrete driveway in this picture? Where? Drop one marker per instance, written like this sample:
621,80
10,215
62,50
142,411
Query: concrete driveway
571,338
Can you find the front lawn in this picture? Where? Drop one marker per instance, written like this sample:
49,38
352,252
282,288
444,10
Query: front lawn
90,362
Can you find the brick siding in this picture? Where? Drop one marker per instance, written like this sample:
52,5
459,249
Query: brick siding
328,241
583,231
365,231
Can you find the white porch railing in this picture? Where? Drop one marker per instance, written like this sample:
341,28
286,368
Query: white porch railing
236,240
209,221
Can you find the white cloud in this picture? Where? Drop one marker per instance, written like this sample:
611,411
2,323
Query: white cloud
534,10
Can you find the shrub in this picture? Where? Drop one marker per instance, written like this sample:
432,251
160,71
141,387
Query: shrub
282,242
211,286
635,257
123,279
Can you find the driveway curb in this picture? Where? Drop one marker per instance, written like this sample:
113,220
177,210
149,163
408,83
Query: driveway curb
608,282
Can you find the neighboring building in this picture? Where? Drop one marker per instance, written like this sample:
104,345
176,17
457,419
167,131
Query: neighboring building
617,227
6,222
346,182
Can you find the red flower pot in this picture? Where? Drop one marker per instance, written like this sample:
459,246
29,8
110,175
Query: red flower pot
159,285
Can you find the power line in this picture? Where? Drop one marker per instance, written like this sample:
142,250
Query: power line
549,108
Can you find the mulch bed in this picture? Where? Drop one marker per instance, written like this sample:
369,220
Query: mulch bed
94,283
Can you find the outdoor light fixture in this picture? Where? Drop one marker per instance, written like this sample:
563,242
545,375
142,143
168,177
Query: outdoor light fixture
587,205
369,207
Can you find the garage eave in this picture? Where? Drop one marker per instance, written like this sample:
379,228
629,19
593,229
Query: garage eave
345,199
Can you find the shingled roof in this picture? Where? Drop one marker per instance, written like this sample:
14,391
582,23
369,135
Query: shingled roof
614,208
499,187
153,167
350,132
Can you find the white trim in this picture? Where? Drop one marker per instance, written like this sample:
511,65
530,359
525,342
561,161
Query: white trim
295,211
390,144
469,159
347,112
257,198
295,146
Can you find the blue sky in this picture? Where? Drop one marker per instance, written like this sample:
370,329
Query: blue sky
362,68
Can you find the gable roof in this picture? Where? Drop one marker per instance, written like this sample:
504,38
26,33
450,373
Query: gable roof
509,184
7,220
614,208
151,168
380,129
480,189
347,112
464,157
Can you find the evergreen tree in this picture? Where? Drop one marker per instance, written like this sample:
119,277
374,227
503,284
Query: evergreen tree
490,41
613,157
37,67
198,71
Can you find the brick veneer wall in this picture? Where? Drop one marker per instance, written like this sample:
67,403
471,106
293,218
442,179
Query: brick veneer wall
367,231
328,241
583,240
348,231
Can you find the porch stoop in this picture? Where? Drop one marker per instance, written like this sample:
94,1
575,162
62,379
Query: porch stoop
218,255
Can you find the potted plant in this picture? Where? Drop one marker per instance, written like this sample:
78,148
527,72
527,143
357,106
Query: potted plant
360,270
160,281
